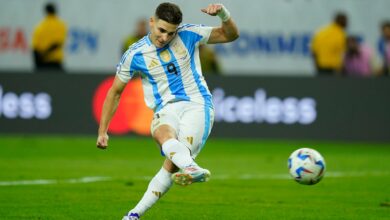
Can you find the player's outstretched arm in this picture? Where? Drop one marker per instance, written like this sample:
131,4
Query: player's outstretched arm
228,31
109,107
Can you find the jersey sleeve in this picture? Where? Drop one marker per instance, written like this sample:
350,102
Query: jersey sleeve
202,30
124,69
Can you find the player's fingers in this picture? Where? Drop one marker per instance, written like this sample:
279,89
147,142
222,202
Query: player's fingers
207,9
214,9
102,143
101,147
218,8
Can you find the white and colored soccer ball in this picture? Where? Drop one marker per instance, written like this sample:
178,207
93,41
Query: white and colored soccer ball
306,166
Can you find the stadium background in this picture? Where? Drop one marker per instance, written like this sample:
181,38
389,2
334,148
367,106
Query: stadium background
274,34
268,103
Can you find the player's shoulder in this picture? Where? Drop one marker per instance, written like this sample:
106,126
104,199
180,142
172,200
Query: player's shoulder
135,50
189,27
138,46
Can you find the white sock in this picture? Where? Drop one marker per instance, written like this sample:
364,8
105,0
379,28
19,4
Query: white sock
158,186
178,153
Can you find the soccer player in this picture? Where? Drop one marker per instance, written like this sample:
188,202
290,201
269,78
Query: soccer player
167,59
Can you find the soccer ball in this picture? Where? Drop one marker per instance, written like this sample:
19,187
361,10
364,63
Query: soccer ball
306,166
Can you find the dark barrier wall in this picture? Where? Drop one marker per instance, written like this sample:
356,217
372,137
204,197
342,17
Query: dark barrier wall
47,103
259,107
319,108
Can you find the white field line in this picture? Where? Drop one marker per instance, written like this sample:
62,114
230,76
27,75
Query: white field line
287,176
87,179
247,176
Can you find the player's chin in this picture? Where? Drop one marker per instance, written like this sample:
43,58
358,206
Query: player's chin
159,44
163,43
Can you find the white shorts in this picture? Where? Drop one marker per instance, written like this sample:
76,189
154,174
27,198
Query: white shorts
191,121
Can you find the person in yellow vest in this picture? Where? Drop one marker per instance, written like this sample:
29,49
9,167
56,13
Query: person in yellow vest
48,41
328,46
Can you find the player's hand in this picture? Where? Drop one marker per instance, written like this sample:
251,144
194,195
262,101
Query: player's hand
102,141
212,9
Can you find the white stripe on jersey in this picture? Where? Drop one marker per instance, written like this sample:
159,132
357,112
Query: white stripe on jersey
172,73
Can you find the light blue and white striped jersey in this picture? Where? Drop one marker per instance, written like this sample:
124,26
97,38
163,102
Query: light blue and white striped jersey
171,73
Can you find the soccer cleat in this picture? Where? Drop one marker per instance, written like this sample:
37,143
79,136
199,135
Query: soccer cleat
191,174
131,216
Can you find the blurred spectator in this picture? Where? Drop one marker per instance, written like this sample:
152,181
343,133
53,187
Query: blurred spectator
359,59
328,46
209,61
141,30
49,40
385,47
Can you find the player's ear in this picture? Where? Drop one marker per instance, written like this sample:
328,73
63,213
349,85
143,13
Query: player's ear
151,22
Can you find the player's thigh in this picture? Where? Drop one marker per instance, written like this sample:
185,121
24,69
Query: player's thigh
166,116
195,127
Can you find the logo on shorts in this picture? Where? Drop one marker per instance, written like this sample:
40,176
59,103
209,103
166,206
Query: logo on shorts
171,155
190,139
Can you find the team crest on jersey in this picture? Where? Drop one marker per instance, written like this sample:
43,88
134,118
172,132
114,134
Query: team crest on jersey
165,56
180,51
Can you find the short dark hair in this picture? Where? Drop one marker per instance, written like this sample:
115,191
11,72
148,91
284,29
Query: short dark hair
169,12
341,19
50,8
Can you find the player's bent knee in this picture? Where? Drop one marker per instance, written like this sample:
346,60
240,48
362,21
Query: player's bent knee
164,133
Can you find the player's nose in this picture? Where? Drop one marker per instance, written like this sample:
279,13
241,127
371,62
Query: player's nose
164,37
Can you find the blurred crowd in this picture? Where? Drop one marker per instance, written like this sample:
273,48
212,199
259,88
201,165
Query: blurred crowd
335,52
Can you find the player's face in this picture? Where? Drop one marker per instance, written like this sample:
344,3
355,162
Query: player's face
161,32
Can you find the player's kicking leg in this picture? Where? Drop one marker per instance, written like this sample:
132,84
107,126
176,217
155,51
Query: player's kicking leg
180,155
195,126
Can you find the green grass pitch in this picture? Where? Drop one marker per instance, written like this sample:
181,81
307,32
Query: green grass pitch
41,178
